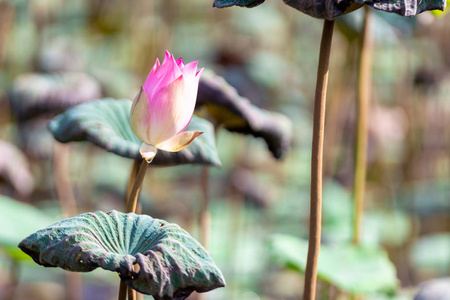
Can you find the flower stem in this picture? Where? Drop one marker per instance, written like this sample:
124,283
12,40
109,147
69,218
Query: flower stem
132,179
316,162
132,200
131,294
132,196
363,103
123,290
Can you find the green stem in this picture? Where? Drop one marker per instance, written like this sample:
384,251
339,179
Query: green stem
132,180
316,162
132,197
363,103
132,201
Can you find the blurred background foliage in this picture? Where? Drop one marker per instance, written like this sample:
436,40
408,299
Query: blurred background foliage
55,54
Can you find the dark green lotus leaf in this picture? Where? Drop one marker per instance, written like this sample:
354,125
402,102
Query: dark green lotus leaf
358,270
152,256
331,9
106,124
245,3
440,13
36,94
324,9
406,8
17,220
237,114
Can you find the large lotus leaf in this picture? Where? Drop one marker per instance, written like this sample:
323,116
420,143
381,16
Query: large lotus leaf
406,8
440,13
245,3
331,9
237,114
17,220
15,169
354,269
106,124
35,94
171,264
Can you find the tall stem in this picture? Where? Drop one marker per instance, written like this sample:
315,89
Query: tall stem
123,290
131,294
132,197
204,217
363,103
316,162
132,200
132,180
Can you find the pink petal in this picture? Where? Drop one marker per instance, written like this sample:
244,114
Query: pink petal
164,75
190,69
179,142
140,116
199,72
180,63
173,109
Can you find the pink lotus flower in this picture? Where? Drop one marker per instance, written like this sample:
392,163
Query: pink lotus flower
164,106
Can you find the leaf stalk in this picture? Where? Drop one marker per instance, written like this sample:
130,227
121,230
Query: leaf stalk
316,162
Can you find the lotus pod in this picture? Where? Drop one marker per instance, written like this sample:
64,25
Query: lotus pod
171,263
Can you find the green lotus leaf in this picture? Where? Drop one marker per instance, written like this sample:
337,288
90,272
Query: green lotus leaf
238,114
331,9
357,270
106,124
17,220
406,8
152,256
244,3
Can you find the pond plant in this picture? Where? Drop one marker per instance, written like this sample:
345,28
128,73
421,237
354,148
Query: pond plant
158,128
329,10
150,255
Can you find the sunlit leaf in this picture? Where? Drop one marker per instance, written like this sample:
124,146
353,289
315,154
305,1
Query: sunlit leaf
237,114
168,263
18,220
245,3
354,269
440,13
106,124
35,94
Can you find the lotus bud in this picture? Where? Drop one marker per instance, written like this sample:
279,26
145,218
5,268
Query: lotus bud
164,106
